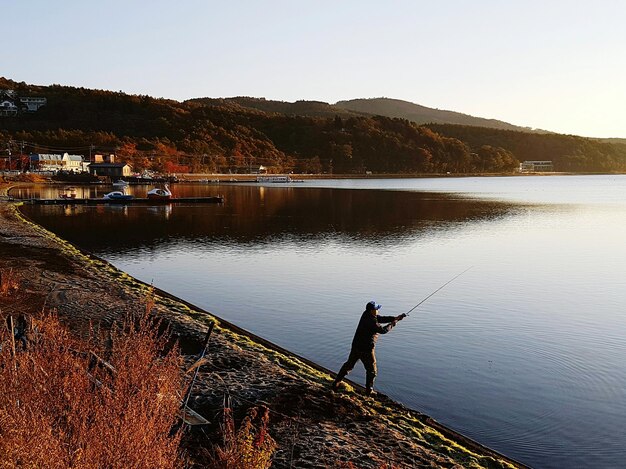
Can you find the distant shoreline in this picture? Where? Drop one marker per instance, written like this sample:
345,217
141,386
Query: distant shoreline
312,177
8,182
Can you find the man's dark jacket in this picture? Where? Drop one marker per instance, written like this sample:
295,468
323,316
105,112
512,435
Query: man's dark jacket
368,329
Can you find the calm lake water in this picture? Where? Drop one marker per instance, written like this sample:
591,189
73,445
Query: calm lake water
525,352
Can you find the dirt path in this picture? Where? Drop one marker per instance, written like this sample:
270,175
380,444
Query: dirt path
313,426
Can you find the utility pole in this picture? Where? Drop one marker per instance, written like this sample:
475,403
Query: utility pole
9,150
22,156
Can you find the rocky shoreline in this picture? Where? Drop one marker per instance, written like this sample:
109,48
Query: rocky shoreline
313,426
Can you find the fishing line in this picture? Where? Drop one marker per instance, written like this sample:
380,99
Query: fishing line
441,287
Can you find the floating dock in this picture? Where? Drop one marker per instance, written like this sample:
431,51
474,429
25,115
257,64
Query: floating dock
137,201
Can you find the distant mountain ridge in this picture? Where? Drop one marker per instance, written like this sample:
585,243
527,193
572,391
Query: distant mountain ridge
421,114
387,107
297,108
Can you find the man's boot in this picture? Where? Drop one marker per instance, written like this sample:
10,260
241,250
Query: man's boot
341,375
369,384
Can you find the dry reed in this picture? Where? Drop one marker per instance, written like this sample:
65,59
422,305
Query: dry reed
63,408
9,282
248,447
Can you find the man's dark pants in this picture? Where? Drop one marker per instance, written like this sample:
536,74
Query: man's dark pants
368,358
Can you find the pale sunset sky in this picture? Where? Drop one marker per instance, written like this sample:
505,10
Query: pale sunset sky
552,64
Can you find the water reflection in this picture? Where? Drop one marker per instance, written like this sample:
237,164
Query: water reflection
253,215
161,212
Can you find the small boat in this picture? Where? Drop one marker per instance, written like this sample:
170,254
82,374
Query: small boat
160,194
118,196
120,183
68,193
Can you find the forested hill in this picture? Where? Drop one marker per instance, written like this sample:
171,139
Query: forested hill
363,107
567,152
298,108
236,134
421,114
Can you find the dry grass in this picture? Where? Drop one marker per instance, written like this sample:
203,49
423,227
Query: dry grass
248,447
54,414
9,282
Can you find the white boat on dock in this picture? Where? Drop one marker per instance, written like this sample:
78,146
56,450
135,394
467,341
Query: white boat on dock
118,196
162,194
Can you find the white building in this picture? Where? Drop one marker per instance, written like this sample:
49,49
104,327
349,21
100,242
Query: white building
536,166
72,163
8,109
33,104
48,162
11,94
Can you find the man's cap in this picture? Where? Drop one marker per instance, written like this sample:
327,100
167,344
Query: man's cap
372,305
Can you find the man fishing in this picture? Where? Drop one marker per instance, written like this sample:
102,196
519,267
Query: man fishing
364,343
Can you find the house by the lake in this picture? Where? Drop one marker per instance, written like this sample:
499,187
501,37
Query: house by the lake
53,163
111,170
536,166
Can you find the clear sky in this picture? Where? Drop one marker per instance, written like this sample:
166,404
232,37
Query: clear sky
552,64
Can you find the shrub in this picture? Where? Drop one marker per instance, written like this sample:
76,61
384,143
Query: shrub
9,282
63,407
249,447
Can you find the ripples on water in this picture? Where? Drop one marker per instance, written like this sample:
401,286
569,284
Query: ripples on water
525,352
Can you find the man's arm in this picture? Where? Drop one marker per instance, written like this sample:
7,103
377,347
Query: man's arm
384,319
392,320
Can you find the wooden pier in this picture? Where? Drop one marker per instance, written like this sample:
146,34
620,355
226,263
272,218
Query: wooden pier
137,201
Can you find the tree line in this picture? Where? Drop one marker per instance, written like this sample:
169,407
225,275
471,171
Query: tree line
217,135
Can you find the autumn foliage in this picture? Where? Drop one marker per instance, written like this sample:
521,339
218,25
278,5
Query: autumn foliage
248,447
63,407
9,282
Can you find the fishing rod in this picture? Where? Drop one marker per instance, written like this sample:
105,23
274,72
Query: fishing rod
441,287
